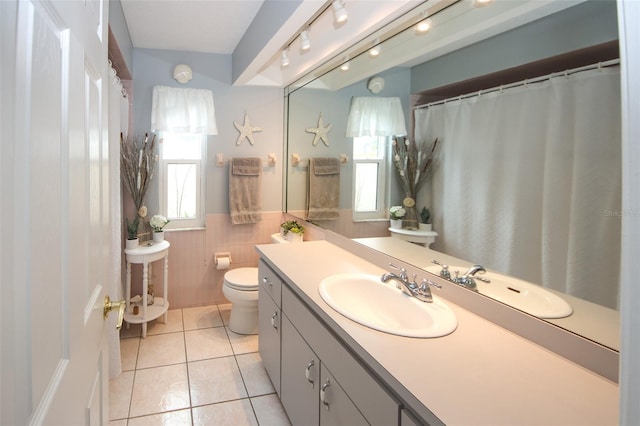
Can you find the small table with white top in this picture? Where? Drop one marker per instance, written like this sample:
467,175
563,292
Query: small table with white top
425,238
146,254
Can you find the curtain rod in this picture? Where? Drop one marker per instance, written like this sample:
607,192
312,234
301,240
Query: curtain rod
566,73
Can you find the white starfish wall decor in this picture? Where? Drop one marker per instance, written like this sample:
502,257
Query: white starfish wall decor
246,130
320,132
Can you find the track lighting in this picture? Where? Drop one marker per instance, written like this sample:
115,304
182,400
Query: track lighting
482,3
284,58
305,43
339,12
345,66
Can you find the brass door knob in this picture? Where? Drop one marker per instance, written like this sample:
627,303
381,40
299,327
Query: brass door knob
112,306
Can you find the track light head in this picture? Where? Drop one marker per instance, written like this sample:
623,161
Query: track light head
305,43
340,14
284,58
423,26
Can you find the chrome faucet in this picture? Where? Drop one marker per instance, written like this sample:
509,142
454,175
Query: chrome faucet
421,292
467,280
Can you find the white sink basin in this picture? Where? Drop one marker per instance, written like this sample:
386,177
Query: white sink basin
366,300
525,296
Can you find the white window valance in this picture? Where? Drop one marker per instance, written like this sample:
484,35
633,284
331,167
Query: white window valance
374,116
180,110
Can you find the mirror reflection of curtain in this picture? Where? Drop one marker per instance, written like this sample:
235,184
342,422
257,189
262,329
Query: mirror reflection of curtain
527,181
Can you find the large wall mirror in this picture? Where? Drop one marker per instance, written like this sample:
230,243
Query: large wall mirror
523,97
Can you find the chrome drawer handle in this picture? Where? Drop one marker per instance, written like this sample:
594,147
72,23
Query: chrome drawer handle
307,372
323,395
265,280
273,320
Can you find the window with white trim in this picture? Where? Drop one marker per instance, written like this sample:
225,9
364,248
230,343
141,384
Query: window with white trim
370,166
182,179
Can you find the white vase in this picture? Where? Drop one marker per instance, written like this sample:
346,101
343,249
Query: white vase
293,237
425,226
158,237
396,223
132,244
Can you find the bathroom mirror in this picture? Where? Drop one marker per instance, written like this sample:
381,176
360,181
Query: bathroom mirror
467,45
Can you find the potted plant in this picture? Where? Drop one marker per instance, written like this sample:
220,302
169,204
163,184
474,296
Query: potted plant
396,213
158,222
425,216
292,231
132,233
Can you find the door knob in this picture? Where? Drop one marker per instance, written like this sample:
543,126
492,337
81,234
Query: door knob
112,306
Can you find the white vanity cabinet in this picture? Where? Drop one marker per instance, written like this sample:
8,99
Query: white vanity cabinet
351,395
269,321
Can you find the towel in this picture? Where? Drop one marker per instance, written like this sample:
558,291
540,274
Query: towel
245,190
323,196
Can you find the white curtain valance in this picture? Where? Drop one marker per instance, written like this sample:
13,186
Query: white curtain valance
180,110
373,116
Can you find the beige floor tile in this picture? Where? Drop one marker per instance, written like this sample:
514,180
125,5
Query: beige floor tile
162,349
269,411
160,389
120,389
225,312
130,330
201,317
254,375
174,418
233,413
129,353
215,380
207,343
173,324
243,343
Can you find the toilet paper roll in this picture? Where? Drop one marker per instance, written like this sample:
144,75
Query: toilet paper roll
222,262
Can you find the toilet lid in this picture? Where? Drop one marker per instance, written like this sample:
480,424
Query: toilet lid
245,279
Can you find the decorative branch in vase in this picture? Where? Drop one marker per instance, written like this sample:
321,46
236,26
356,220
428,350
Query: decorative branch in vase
412,161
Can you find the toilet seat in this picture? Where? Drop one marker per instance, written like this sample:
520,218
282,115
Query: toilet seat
242,279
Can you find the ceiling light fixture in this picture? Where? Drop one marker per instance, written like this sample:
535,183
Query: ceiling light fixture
284,58
424,25
305,43
345,66
375,50
482,3
340,14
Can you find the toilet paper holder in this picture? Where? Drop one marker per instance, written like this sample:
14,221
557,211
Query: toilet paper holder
222,255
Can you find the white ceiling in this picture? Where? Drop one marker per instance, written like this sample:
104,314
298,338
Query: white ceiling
210,26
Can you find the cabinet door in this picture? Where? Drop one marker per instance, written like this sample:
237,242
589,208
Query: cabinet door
300,381
335,406
269,336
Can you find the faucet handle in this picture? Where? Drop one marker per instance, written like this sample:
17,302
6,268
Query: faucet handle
403,271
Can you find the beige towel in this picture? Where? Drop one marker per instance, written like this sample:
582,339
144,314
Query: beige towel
323,196
245,190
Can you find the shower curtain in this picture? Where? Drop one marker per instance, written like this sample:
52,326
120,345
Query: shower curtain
527,181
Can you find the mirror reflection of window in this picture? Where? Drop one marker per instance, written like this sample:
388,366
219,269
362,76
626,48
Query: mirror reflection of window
369,177
181,180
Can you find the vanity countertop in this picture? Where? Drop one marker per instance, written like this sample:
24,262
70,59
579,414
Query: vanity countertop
479,374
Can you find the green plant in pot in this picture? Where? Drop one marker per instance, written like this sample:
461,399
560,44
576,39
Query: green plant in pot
425,217
292,230
132,232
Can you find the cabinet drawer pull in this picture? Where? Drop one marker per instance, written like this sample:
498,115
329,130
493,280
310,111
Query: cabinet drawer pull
265,280
323,395
273,320
307,371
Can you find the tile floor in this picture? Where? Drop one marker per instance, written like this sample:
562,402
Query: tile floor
192,370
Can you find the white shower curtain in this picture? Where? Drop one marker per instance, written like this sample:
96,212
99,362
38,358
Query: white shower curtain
527,181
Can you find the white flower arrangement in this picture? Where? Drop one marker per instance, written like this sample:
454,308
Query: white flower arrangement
158,222
397,212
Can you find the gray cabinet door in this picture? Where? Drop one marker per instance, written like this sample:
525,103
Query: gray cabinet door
300,384
269,336
335,406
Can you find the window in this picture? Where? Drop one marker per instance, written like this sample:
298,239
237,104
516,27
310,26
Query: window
182,156
369,177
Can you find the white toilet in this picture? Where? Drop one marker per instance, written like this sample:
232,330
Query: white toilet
241,289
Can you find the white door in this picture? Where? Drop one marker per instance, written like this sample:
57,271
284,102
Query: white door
55,205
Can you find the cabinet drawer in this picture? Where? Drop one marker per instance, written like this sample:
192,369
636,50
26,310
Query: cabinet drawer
270,282
377,406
